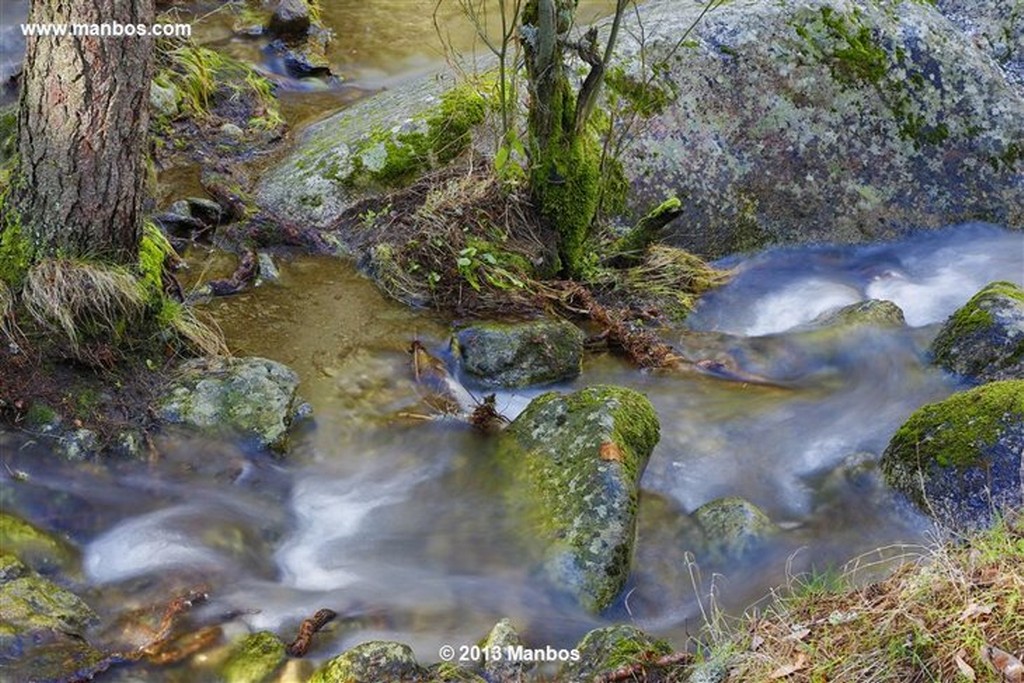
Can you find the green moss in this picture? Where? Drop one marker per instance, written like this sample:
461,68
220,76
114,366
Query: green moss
33,546
153,251
646,98
255,659
15,248
8,132
954,431
972,318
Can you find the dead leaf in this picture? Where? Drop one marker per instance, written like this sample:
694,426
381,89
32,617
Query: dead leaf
973,610
611,452
790,669
966,670
1005,664
799,634
756,642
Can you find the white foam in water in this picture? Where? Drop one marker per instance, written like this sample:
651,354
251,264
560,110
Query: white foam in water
145,544
929,299
799,303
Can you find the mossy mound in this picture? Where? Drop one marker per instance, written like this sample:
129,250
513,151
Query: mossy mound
874,312
254,659
960,459
609,649
39,550
733,525
520,354
576,461
32,608
984,339
371,662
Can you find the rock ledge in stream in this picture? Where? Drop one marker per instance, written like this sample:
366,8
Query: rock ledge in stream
520,354
576,462
961,459
251,396
984,339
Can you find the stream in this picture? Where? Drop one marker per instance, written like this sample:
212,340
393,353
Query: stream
397,522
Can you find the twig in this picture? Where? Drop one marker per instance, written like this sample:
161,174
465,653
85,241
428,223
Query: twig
638,670
309,627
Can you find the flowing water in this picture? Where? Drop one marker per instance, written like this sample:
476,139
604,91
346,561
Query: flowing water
397,522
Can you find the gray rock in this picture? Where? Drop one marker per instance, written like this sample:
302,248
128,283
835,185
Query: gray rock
575,462
733,525
251,396
268,272
962,459
78,444
520,354
823,120
291,19
163,101
128,444
504,669
996,26
371,662
713,671
31,607
232,131
205,210
984,339
607,649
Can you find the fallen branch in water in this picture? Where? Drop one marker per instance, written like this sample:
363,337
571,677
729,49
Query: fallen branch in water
309,628
638,671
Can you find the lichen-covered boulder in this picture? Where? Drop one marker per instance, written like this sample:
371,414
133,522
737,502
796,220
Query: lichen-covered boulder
33,608
254,659
575,461
251,396
520,354
997,26
984,339
605,650
38,549
732,525
291,19
504,669
960,459
872,312
371,662
821,120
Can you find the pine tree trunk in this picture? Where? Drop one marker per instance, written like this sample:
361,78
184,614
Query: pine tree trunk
83,122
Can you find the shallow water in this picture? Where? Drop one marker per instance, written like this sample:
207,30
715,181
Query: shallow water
397,523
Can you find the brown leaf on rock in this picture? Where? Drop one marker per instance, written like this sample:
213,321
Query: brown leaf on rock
787,670
611,452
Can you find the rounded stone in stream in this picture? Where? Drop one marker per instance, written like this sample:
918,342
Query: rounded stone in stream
984,339
520,354
733,525
371,662
503,669
608,649
254,659
575,462
252,396
962,459
291,19
876,312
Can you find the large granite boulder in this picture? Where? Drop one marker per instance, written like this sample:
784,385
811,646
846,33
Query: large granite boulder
254,397
984,339
823,120
520,354
575,462
961,459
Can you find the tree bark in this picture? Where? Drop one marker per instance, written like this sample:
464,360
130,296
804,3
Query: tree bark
83,119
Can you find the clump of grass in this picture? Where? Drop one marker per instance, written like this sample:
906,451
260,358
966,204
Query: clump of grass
78,298
936,618
201,334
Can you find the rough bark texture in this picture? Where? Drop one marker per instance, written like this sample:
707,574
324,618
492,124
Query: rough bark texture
82,131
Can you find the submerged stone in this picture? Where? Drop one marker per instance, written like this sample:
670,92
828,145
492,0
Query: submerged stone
254,397
875,312
962,459
32,607
371,662
38,549
521,354
984,339
576,462
733,525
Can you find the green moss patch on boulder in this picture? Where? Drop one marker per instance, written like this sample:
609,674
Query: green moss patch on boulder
32,608
960,459
576,462
38,549
605,650
254,659
873,312
984,339
255,397
371,662
520,354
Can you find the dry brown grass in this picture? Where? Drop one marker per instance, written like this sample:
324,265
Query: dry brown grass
936,618
77,298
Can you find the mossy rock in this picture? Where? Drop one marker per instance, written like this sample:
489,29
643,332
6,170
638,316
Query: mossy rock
32,607
576,462
371,662
960,459
520,354
873,312
8,132
254,397
605,650
733,525
38,549
446,672
254,659
504,636
984,339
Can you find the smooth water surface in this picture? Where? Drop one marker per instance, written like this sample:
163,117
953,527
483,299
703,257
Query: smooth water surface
394,517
